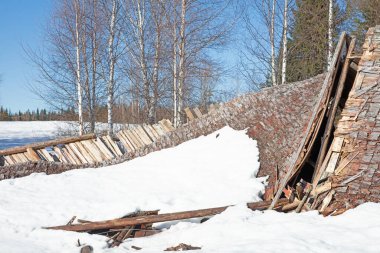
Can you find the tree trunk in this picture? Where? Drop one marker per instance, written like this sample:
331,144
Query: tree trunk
182,55
285,43
273,55
78,70
157,49
175,84
330,34
111,60
94,66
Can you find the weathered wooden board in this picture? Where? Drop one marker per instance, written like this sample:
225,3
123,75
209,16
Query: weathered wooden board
189,114
76,151
159,129
144,137
85,153
197,112
60,155
149,133
99,143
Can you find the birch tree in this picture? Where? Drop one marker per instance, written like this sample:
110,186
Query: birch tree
111,59
284,43
272,46
330,34
78,19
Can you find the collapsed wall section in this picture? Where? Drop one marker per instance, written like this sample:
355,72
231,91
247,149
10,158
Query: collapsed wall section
356,175
276,117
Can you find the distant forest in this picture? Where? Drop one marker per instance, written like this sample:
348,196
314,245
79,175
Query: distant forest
35,115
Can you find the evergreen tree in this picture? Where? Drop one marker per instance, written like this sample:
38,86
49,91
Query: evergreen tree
308,41
366,14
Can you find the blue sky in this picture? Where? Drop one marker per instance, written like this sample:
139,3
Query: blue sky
22,22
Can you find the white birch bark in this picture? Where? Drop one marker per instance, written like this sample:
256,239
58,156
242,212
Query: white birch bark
143,63
111,74
330,35
273,59
175,100
181,66
285,43
78,69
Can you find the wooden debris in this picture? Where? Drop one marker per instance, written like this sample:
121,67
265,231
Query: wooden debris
182,247
71,220
149,219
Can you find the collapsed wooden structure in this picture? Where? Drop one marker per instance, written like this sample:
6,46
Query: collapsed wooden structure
331,167
87,149
340,154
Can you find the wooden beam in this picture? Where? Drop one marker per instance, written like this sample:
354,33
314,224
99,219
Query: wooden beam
123,222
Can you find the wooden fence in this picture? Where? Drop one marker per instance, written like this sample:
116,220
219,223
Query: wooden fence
87,149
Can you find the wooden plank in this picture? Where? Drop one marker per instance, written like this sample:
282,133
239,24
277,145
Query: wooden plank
128,140
132,140
95,153
60,155
168,124
149,133
76,151
148,219
143,135
33,156
358,81
136,141
114,145
333,162
21,157
197,112
158,129
163,126
345,162
189,114
9,160
154,132
41,145
100,144
124,141
326,201
337,144
85,152
66,150
137,137
109,145
42,155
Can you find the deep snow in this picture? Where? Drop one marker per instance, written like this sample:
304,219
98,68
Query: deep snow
206,172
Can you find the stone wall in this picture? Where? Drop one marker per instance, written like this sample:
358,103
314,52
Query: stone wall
276,117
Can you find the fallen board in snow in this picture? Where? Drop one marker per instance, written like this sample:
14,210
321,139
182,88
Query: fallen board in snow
123,222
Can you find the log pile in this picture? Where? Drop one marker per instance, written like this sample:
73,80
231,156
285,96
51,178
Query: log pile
87,149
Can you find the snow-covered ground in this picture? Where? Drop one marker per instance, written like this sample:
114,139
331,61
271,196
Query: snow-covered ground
214,170
18,133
